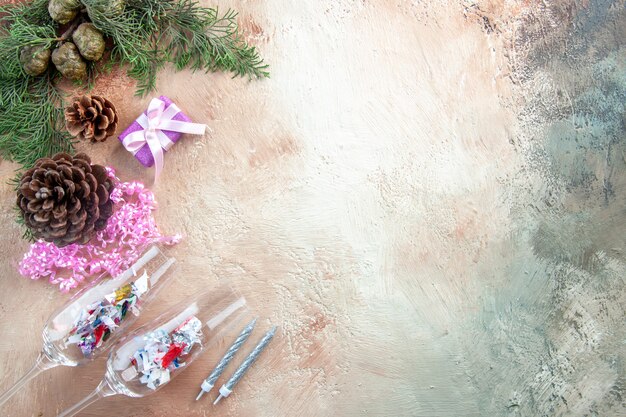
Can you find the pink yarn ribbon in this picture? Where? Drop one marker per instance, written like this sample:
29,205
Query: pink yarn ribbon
128,232
154,122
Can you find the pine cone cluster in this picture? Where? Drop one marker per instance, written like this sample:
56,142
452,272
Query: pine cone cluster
81,41
91,118
65,199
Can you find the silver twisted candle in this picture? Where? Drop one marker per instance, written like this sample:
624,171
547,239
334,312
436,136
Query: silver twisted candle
227,388
209,383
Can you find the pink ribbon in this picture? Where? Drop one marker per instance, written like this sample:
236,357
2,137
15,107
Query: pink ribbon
158,119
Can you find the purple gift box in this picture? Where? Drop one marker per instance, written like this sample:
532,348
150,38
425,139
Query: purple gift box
144,155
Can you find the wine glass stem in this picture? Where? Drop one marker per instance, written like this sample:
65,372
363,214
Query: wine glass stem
41,364
103,390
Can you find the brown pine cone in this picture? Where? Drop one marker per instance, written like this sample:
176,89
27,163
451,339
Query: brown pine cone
91,118
65,199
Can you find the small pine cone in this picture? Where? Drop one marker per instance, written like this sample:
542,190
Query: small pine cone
89,41
65,199
69,62
34,60
91,118
112,8
63,11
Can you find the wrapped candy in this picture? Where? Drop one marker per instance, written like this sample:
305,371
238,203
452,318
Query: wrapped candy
90,322
96,322
164,352
147,359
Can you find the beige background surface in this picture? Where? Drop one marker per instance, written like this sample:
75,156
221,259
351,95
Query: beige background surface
395,199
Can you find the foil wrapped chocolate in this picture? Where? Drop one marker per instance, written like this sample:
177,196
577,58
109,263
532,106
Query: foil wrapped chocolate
97,321
162,353
188,334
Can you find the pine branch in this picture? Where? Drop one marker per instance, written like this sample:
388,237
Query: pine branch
133,41
228,51
30,108
150,33
146,35
202,39
35,12
31,120
22,26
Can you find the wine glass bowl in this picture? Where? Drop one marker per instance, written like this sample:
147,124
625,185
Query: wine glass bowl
90,323
85,316
148,358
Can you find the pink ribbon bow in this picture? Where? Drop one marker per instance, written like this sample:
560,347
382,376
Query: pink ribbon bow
158,119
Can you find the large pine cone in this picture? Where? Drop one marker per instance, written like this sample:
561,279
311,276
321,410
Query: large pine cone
65,199
91,118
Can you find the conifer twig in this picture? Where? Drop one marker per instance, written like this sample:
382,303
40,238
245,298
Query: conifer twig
146,35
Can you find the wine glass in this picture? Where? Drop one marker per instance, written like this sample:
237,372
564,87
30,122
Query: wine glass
95,317
147,359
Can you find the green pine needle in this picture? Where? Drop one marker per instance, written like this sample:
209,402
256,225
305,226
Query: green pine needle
151,33
146,35
30,112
